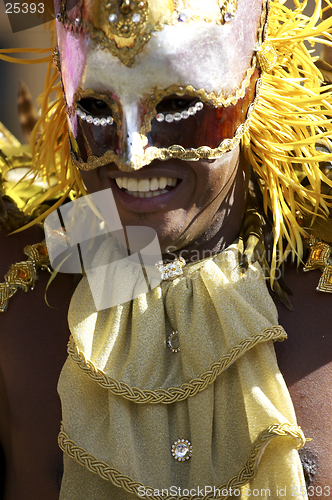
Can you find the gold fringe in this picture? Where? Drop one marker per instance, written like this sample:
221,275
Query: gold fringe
187,389
120,480
293,112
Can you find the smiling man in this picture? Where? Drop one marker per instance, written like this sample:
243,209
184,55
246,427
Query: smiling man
203,119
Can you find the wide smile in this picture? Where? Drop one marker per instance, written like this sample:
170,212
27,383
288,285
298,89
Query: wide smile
149,194
146,188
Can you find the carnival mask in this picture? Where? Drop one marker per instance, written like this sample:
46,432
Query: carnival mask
158,79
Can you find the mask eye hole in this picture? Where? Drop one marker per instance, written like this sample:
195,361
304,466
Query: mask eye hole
94,107
175,103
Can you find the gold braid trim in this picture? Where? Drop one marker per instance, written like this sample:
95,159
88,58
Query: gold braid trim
120,480
23,274
187,389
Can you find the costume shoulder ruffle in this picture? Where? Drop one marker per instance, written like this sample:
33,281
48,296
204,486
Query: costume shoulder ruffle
219,390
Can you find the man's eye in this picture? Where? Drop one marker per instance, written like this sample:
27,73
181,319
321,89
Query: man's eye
174,104
95,107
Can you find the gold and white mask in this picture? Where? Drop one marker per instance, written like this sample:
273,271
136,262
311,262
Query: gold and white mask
158,79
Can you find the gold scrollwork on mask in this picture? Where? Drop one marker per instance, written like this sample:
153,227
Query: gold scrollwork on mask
56,57
124,26
210,97
125,18
125,54
202,94
267,56
113,105
227,10
175,151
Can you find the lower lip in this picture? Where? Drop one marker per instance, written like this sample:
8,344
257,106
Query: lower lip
152,204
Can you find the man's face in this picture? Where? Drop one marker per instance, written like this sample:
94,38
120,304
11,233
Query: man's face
182,65
185,202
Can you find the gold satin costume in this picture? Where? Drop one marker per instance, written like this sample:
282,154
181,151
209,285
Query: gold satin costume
127,397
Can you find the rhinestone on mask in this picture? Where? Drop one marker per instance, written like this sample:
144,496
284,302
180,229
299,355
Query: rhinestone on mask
94,119
171,117
127,17
182,450
81,114
136,18
112,18
228,17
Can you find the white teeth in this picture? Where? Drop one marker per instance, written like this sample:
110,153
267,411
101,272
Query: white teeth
154,184
149,194
132,184
162,182
145,185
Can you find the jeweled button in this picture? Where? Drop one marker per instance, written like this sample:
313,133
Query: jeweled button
173,341
182,450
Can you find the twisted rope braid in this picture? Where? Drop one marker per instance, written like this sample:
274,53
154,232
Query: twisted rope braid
120,480
187,389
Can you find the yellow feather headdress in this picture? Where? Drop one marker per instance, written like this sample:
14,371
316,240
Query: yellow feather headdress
293,112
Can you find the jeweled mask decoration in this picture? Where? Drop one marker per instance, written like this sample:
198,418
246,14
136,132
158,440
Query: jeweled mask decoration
158,79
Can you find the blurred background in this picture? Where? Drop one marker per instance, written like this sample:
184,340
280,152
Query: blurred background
11,74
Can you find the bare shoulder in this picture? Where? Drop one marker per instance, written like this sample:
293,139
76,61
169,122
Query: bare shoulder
305,360
33,339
